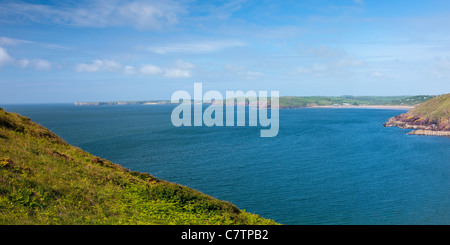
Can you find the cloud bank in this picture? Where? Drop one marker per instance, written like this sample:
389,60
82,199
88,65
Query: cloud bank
181,69
38,64
196,47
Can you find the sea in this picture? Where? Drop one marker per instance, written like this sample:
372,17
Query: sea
326,166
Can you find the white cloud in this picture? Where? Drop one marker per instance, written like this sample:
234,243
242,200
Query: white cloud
196,47
97,13
99,65
129,70
220,10
377,74
38,64
252,74
243,72
145,15
184,65
150,70
315,69
340,66
349,62
325,52
6,41
182,69
327,61
177,73
42,64
4,57
95,66
23,63
359,2
301,70
234,68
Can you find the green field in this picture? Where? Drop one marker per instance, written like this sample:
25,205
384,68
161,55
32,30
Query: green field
293,102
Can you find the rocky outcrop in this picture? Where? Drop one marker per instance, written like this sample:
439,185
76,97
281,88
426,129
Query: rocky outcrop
422,126
430,132
417,122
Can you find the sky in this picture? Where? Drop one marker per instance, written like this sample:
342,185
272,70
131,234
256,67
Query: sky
114,50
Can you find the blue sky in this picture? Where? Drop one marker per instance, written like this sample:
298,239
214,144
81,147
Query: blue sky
107,50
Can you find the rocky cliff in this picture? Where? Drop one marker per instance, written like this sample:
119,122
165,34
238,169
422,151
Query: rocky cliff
429,118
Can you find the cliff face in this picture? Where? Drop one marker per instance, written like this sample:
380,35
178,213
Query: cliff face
429,118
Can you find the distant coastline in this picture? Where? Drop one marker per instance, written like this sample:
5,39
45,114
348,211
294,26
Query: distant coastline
144,102
297,102
392,107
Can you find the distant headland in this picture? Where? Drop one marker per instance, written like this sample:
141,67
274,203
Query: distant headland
140,102
429,118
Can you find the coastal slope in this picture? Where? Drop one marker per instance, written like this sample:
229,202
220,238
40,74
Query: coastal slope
429,118
44,180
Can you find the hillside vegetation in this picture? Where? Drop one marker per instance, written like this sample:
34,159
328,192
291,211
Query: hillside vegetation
44,180
435,110
431,117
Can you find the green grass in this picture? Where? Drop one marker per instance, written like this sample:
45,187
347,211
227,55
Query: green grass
435,109
44,180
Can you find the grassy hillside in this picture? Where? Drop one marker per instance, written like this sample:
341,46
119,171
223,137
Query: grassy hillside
429,117
44,180
436,109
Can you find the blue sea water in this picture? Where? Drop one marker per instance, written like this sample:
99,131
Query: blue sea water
326,166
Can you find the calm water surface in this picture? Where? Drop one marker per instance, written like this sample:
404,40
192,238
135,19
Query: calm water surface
326,166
